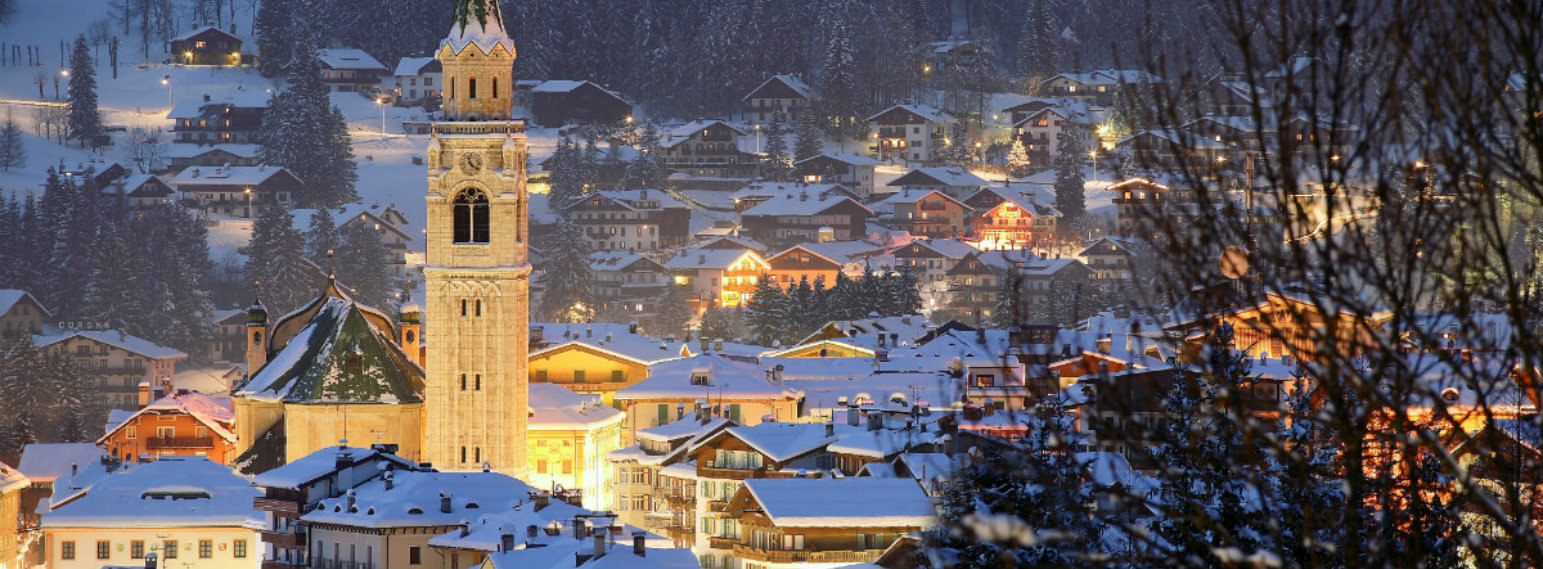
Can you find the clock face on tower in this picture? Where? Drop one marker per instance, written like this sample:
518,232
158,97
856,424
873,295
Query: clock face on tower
471,163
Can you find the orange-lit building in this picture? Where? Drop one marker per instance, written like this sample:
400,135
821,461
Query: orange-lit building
798,263
722,278
180,424
1019,222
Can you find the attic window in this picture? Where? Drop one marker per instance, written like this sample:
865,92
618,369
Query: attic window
175,494
370,511
415,511
473,504
353,362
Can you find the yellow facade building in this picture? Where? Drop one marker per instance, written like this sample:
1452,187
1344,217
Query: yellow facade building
570,436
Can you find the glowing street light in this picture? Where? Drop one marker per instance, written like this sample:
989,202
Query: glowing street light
166,81
248,192
381,102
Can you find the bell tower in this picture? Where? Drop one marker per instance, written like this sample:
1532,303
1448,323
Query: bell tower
476,402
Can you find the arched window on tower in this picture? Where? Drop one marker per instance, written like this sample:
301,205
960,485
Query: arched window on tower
471,88
471,217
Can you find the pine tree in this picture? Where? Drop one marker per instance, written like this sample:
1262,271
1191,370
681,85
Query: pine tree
173,245
646,171
13,149
274,259
807,142
85,120
303,132
841,92
364,265
321,237
767,312
114,291
672,314
843,300
1036,43
568,176
566,294
908,295
74,428
70,221
776,166
717,324
271,26
1070,181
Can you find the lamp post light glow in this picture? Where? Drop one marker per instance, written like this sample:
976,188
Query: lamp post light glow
248,192
381,102
166,81
1093,156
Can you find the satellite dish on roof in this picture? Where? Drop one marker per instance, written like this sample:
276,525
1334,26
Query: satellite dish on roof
1234,262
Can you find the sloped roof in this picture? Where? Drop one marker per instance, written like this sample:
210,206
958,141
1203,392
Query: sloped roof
315,367
779,86
214,413
925,112
851,159
229,176
348,58
728,379
861,501
11,479
10,296
174,491
199,31
708,258
485,35
414,500
44,462
788,204
781,442
681,133
556,408
949,176
319,464
117,339
415,66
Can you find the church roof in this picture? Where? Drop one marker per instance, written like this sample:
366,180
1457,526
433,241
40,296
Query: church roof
466,29
338,357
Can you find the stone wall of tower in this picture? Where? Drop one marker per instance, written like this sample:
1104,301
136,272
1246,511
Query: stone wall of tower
478,296
492,71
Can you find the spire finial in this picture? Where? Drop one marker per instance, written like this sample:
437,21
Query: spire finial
332,273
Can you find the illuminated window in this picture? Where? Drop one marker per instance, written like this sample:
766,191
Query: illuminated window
471,217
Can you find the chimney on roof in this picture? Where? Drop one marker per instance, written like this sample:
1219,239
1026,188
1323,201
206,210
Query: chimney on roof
875,421
717,344
701,258
607,336
444,501
853,418
680,411
74,469
530,533
830,430
599,536
352,501
589,332
638,542
632,327
390,480
506,542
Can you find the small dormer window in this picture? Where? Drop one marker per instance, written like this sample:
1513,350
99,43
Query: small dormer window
353,362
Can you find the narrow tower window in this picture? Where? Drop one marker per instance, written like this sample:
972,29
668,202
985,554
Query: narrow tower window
471,217
471,88
479,308
451,82
495,86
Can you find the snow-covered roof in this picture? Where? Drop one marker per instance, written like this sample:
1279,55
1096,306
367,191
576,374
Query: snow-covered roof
11,479
10,296
781,442
925,112
792,83
614,260
727,379
214,413
190,34
193,107
486,35
192,151
348,58
865,332
807,204
134,344
783,189
612,338
409,66
950,248
820,369
852,502
415,500
556,408
320,464
908,377
234,176
929,465
940,176
883,443
45,462
844,158
715,259
683,428
174,491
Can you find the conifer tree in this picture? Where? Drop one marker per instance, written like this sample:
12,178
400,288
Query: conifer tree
321,236
114,291
767,312
777,166
808,141
177,274
672,313
364,265
85,121
274,259
567,178
841,92
1017,158
13,150
303,132
646,171
1036,43
1069,178
717,324
74,428
566,294
272,25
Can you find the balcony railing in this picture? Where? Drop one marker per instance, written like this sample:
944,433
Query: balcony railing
284,540
727,473
718,506
341,564
276,506
743,551
480,127
723,543
179,442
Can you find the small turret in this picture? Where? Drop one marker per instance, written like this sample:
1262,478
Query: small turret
257,333
410,326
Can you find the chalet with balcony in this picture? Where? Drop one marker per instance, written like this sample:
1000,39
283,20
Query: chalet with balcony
1171,149
802,218
207,46
718,278
114,362
1019,221
1112,258
799,263
779,93
632,220
708,149
180,424
1041,132
143,190
1138,204
233,120
1099,87
1016,113
909,133
798,522
931,260
597,359
849,170
237,190
556,103
297,487
418,80
21,313
654,488
347,70
628,283
212,156
748,391
928,213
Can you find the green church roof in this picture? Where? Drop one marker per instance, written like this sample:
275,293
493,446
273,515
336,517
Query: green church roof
338,357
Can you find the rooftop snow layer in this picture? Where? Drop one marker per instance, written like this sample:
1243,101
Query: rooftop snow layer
415,500
854,502
556,408
135,344
174,491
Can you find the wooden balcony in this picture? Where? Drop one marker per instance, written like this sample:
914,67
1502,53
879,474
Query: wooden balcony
154,443
277,506
284,540
718,506
743,551
723,543
728,473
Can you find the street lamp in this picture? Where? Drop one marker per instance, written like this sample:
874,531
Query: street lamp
381,102
1093,155
757,139
166,81
248,192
